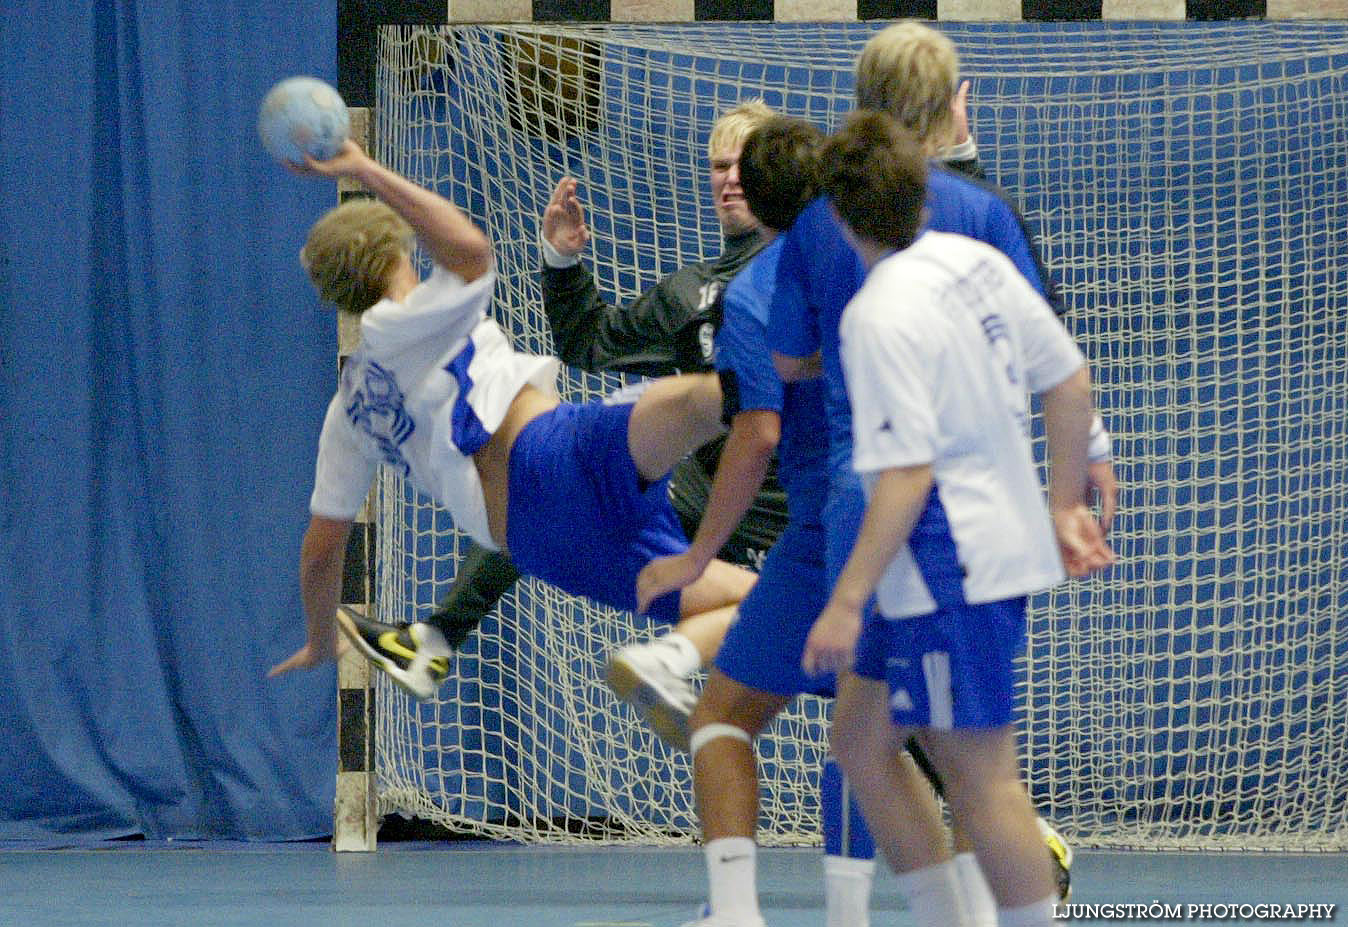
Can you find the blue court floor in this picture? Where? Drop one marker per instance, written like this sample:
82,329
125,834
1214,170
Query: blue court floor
494,885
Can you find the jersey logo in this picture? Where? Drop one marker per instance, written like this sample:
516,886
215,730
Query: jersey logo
375,407
706,340
707,293
901,700
999,340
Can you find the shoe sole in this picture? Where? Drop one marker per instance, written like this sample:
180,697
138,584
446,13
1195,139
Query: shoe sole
400,677
1061,854
668,721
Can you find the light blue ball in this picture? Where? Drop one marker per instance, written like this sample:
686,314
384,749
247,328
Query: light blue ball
303,114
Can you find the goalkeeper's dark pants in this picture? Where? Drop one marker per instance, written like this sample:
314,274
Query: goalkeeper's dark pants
483,577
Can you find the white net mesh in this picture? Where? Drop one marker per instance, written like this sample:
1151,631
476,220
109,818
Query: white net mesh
1189,187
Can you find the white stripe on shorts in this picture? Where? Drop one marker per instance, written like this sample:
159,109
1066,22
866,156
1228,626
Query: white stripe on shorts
940,700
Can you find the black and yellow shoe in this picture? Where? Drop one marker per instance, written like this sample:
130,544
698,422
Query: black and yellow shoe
415,656
1061,855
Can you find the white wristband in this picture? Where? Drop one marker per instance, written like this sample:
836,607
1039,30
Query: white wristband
1100,448
554,258
966,150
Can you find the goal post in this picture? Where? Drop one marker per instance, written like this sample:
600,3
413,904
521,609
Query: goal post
1189,190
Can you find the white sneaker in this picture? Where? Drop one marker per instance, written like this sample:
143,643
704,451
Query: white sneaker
645,677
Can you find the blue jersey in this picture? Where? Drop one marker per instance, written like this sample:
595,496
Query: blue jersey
819,272
742,351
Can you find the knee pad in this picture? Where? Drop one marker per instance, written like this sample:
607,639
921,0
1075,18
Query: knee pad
709,732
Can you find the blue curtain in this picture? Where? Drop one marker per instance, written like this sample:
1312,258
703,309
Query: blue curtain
163,370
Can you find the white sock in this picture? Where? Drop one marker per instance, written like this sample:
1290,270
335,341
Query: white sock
731,868
847,891
975,891
684,658
1035,914
933,896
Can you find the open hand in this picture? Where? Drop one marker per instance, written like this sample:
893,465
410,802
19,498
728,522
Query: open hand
564,220
348,159
959,108
1081,541
832,643
311,656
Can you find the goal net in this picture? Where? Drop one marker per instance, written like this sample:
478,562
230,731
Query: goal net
1189,188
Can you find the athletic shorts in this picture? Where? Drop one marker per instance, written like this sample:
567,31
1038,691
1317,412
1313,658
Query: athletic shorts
580,516
763,647
953,668
844,511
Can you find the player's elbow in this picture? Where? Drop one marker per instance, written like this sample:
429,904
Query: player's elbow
759,431
474,257
794,369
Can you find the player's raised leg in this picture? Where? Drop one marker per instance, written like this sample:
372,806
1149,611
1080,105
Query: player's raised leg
672,416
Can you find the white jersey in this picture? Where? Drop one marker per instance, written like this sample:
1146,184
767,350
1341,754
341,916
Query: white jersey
941,348
431,381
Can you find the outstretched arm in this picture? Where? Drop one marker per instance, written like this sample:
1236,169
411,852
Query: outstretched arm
648,336
455,243
321,558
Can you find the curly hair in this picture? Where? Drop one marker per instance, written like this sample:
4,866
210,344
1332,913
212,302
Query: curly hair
353,250
876,174
779,170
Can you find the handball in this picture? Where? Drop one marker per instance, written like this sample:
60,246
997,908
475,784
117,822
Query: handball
303,115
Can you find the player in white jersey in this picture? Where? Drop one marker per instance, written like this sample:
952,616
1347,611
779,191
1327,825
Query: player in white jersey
576,493
939,349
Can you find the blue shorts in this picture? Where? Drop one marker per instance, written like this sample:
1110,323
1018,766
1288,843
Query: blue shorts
580,516
843,513
953,668
762,650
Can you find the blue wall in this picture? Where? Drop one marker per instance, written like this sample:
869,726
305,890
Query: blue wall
163,370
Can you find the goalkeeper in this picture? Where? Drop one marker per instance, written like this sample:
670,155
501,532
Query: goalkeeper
436,392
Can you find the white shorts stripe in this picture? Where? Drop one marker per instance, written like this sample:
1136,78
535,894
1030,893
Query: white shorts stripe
940,700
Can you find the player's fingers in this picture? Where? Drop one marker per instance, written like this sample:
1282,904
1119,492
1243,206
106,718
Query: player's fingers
284,666
807,658
559,192
962,94
575,209
1108,503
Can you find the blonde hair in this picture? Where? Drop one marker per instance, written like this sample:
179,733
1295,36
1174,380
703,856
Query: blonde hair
734,125
909,71
353,250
